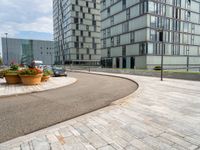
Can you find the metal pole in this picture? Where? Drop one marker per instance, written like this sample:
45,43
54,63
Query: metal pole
51,59
162,55
7,48
188,59
163,46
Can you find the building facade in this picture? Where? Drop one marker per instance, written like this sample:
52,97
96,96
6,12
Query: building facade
77,31
22,51
134,33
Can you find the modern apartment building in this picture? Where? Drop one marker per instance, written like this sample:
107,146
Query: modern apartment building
23,51
133,32
77,31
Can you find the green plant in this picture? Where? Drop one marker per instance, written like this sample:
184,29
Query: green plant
47,72
14,67
13,70
1,61
157,68
30,71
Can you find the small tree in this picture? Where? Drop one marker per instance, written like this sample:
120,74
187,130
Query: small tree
1,61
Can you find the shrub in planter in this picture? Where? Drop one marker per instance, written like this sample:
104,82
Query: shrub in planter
157,68
46,75
11,74
31,76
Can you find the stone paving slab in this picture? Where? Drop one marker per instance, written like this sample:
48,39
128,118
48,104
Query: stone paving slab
15,89
159,115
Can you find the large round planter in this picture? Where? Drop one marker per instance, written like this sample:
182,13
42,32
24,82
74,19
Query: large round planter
31,79
12,79
45,78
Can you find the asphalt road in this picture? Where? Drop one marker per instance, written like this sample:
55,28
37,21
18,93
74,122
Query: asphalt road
20,115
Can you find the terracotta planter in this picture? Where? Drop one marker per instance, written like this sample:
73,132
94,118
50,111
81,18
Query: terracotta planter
12,79
31,79
45,78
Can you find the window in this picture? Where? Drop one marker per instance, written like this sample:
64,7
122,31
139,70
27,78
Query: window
75,20
104,43
124,4
127,14
112,41
73,7
76,44
123,51
108,32
112,20
192,39
132,37
189,2
177,3
193,28
104,33
87,27
94,23
108,11
104,4
125,27
143,7
77,14
142,48
88,51
73,32
152,7
118,40
108,52
77,26
152,35
77,56
81,21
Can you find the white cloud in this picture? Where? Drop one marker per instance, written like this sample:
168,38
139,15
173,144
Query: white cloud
25,15
43,24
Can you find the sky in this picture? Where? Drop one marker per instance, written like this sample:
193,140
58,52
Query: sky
26,19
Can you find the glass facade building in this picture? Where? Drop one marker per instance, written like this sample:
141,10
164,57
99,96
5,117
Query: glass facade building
77,31
132,31
23,51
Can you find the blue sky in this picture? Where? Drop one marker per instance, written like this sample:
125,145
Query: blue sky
29,19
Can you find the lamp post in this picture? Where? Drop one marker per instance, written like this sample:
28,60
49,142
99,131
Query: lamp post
161,38
7,48
51,58
188,58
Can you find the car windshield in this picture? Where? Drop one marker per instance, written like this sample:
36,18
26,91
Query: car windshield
57,68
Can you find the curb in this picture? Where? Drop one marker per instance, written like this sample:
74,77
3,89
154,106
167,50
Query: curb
32,92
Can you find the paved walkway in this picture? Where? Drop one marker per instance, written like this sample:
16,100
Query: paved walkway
15,89
24,114
160,115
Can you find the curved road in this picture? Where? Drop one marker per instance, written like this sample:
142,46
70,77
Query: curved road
20,115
